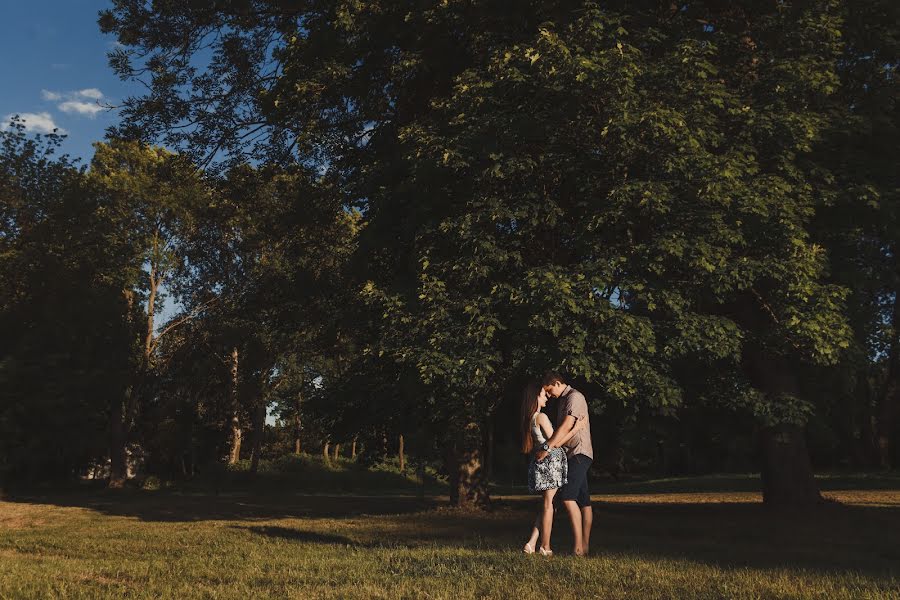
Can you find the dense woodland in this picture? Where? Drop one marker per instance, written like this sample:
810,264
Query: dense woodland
379,219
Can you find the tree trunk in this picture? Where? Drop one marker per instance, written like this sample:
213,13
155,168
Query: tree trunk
118,458
468,484
887,413
401,455
298,427
787,477
420,475
118,419
235,454
259,426
337,451
353,449
325,452
489,447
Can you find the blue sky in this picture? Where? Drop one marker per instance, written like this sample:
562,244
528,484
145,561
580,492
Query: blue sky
54,72
54,68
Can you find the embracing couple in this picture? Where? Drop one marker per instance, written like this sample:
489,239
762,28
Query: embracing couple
560,460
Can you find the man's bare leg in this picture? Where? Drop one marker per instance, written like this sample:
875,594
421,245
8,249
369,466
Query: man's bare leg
577,526
587,521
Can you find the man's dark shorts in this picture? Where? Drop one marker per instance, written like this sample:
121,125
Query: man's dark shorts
577,487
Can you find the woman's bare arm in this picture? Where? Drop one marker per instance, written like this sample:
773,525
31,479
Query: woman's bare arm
545,425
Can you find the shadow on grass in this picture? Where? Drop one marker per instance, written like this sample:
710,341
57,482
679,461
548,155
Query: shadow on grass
298,535
174,507
730,534
829,537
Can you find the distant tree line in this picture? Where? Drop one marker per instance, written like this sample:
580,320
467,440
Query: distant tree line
380,219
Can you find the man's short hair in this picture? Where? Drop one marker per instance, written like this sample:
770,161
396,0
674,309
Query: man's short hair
551,377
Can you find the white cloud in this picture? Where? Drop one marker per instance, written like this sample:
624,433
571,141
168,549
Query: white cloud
89,109
92,93
41,122
84,102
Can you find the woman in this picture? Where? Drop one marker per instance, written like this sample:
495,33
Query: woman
548,475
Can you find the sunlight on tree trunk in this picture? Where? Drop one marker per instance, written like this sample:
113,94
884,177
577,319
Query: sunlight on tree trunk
235,454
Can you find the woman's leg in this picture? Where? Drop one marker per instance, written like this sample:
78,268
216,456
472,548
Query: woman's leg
532,541
547,519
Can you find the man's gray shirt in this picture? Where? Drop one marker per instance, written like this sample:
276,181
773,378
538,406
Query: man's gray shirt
572,402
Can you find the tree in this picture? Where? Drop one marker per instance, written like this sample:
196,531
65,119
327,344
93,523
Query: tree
861,223
147,201
64,346
611,190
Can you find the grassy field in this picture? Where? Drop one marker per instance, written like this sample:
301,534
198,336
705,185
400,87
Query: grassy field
698,538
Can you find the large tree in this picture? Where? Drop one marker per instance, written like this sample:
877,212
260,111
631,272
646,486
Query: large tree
65,346
147,201
607,189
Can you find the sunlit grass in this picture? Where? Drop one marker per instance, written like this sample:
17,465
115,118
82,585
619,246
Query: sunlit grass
165,545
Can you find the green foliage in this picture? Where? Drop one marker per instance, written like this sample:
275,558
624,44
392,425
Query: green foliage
64,351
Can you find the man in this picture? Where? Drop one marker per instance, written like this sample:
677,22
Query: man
574,495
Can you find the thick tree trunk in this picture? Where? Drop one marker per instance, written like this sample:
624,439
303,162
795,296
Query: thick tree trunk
786,471
325,452
401,455
468,483
787,477
337,451
236,434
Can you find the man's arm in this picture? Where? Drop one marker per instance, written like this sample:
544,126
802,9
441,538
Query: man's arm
559,436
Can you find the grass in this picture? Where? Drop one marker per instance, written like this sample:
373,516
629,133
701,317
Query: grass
682,543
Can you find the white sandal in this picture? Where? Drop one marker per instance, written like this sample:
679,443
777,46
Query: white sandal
545,552
528,549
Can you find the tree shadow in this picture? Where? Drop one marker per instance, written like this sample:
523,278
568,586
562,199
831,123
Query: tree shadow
169,507
825,538
297,535
830,538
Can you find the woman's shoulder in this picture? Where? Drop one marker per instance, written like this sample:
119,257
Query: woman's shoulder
542,418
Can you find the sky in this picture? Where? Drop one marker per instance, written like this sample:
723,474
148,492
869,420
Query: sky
54,70
54,73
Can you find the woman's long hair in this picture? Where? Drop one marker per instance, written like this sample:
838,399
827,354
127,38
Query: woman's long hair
529,407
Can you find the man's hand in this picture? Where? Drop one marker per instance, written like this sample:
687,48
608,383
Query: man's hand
541,455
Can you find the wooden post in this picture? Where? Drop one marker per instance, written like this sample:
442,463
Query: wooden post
402,457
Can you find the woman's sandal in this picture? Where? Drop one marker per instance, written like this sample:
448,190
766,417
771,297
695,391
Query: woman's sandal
528,549
545,552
